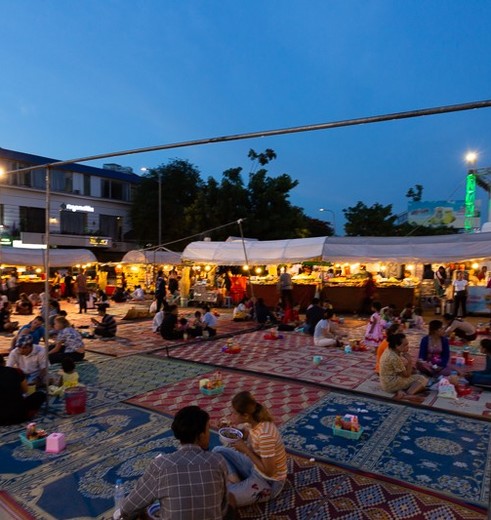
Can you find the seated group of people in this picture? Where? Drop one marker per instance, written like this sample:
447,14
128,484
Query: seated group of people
399,374
213,483
171,327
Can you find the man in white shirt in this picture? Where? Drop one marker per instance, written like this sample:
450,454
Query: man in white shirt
460,294
29,358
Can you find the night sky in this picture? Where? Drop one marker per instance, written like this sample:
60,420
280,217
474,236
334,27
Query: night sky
82,78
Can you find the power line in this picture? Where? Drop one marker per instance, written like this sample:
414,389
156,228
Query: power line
269,133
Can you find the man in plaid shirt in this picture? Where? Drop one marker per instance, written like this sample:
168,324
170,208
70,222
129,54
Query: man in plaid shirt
191,483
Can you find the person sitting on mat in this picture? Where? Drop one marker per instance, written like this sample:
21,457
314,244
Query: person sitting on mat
482,377
106,327
396,371
169,328
256,465
461,328
13,387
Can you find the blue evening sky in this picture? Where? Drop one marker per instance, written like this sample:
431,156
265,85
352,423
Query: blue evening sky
87,77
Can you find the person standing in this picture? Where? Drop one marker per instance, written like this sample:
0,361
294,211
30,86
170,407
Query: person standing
12,289
460,295
440,281
286,290
190,483
68,280
82,292
160,289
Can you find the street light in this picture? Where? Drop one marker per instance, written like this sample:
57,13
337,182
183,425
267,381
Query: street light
160,204
333,218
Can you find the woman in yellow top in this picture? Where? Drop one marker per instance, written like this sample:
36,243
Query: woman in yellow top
396,371
257,465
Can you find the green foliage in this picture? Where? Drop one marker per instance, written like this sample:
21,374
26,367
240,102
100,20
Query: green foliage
415,193
191,206
376,220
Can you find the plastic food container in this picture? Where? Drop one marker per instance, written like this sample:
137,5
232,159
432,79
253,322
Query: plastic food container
347,434
35,443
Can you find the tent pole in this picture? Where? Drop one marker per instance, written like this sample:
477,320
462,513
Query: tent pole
239,222
46,280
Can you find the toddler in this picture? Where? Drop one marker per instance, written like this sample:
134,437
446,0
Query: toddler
68,378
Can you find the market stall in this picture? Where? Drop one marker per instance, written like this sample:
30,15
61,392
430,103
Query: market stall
139,267
29,264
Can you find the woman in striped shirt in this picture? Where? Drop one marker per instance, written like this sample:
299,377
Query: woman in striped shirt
256,465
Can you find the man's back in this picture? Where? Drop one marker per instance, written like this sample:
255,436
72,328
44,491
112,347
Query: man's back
190,484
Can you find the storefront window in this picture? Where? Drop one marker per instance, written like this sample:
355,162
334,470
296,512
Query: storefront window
32,219
73,222
111,226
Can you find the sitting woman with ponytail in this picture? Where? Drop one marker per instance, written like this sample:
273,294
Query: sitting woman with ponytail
256,465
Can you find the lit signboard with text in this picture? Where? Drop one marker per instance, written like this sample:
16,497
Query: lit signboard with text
440,213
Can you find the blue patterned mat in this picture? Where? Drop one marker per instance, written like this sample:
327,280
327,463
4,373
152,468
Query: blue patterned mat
115,442
440,452
115,380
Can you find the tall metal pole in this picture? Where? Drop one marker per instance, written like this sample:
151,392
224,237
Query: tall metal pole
46,279
160,208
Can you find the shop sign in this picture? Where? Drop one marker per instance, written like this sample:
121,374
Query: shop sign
5,241
76,207
98,241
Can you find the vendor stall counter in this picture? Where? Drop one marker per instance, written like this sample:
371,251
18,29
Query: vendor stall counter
351,298
302,294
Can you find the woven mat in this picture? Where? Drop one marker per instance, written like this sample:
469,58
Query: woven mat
12,510
321,491
285,400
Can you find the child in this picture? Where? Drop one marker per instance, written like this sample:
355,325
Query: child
375,328
68,378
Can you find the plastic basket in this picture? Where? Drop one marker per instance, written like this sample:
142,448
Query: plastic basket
35,443
347,434
212,391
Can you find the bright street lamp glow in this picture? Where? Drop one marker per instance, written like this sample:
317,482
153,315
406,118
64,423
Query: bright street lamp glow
471,157
2,171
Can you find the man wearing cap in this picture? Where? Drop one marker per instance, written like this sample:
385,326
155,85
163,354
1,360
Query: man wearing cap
106,327
29,358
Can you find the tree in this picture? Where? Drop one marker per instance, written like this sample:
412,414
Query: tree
376,220
415,193
181,186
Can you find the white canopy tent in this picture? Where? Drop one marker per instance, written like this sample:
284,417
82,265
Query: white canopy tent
427,249
141,256
36,257
258,252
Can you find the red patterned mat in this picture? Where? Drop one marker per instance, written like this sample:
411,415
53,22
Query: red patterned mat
291,356
322,491
285,400
12,510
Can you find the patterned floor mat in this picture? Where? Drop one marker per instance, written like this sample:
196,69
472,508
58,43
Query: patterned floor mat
441,452
291,356
285,400
119,441
320,491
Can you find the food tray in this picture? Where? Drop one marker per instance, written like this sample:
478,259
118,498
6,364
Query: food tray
35,443
347,434
213,391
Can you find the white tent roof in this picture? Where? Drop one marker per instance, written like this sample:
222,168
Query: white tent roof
427,249
152,257
267,252
35,257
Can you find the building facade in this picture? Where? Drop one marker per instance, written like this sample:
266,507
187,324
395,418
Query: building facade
89,207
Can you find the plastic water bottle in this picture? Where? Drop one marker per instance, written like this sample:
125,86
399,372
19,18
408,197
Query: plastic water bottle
118,494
